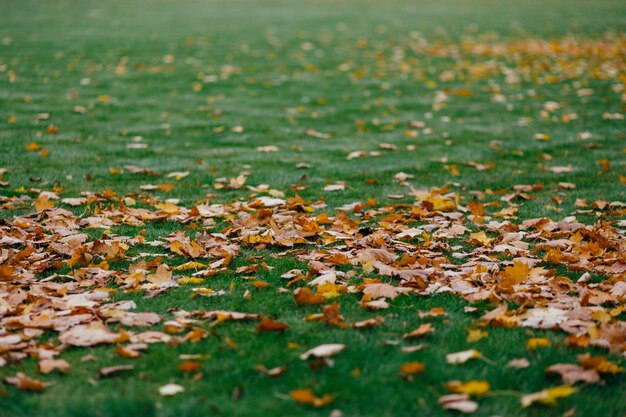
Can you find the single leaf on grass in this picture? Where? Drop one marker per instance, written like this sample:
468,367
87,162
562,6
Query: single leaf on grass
190,366
422,330
45,366
306,396
463,356
112,370
169,390
520,363
267,325
273,372
473,387
458,402
128,353
547,396
537,342
366,324
323,351
407,370
474,335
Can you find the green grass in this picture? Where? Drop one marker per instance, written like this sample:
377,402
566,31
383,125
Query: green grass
295,70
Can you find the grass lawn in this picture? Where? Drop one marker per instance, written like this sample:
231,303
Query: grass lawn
336,102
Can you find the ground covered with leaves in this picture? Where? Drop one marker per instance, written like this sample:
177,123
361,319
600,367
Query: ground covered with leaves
312,208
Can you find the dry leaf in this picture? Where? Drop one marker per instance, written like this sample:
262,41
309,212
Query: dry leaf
323,351
169,390
547,396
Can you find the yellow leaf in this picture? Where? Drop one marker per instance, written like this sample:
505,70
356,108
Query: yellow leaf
473,387
536,342
188,265
480,238
548,396
43,203
168,208
517,273
33,146
474,335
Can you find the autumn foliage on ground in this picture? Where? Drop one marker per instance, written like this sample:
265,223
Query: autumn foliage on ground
303,277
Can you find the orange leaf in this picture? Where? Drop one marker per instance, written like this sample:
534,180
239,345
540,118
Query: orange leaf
190,366
407,370
306,296
306,396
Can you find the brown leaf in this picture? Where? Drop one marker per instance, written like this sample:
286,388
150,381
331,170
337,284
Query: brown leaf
112,370
25,383
421,331
267,325
304,295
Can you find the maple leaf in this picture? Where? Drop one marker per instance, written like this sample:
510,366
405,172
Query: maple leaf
480,238
43,203
517,273
518,363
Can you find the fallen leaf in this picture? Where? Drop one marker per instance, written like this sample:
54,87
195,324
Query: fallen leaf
112,370
46,366
306,396
473,387
323,351
422,330
463,356
547,396
169,390
267,325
